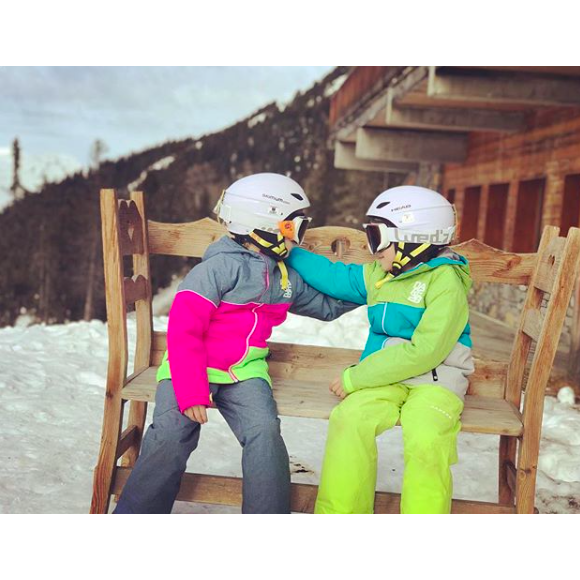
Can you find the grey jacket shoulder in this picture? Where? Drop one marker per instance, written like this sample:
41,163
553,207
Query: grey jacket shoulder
213,277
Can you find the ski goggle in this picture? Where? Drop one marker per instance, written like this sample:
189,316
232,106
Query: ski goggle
295,229
380,236
377,238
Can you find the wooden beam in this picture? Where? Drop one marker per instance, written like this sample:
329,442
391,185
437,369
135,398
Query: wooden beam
127,440
447,119
415,75
551,70
407,79
503,87
574,356
346,135
221,490
345,158
411,146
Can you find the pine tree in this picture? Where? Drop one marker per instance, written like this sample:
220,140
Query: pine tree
98,149
16,188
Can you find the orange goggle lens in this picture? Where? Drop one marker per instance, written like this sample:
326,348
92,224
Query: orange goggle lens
294,229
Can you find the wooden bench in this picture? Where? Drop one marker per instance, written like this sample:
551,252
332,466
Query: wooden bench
494,404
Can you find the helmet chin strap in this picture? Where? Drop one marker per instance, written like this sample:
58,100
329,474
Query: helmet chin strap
276,248
405,253
273,245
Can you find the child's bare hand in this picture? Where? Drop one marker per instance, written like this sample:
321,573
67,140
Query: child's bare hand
289,244
197,413
336,388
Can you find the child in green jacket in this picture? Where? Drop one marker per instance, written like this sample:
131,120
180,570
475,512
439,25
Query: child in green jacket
417,357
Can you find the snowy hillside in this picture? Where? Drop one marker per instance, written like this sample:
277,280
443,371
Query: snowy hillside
51,400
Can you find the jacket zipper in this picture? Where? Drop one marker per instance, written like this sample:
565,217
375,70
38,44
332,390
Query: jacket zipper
230,371
434,373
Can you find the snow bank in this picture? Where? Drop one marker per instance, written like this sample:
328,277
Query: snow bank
51,402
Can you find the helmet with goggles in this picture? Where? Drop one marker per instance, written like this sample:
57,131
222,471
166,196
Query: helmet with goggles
418,221
264,203
411,215
265,209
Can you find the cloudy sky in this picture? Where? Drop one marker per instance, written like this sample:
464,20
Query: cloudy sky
58,112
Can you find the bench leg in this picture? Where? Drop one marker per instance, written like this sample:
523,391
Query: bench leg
507,457
526,473
106,464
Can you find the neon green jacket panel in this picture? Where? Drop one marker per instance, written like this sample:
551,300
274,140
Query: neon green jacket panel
436,337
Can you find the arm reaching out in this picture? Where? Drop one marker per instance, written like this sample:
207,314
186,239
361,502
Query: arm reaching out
335,279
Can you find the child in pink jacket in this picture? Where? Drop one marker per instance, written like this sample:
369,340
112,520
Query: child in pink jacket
222,315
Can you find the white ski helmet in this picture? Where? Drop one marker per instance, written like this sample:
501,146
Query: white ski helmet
420,216
261,202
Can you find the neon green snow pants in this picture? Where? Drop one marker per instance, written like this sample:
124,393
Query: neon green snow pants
429,417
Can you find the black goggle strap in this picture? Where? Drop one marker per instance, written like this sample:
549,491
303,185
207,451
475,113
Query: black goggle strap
402,258
278,248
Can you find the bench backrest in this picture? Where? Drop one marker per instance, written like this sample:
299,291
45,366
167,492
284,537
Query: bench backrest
549,275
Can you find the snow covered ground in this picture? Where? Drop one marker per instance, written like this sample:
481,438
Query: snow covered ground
51,400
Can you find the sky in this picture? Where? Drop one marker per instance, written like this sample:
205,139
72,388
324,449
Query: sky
58,112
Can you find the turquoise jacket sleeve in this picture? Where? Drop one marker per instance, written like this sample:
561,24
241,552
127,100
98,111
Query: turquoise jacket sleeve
442,323
335,279
311,302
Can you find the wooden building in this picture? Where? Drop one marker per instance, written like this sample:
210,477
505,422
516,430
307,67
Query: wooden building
501,143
